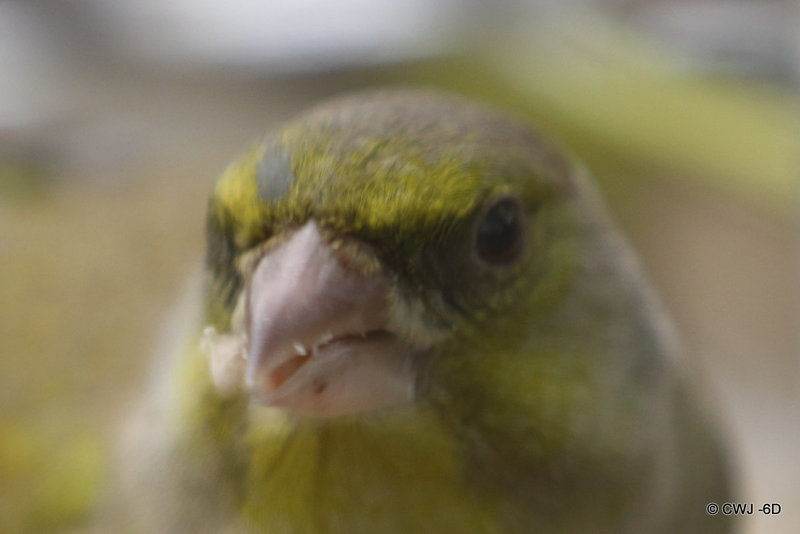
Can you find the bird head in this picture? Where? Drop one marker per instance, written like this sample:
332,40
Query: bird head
380,247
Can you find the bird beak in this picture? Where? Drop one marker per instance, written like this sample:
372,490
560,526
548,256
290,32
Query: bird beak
317,330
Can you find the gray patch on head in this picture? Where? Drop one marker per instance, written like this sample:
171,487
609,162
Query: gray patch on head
274,174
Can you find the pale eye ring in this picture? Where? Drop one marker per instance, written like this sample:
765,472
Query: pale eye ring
499,233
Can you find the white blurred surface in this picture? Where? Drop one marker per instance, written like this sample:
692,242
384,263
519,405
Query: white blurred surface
290,35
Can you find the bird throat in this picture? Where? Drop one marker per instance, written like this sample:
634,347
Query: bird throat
357,474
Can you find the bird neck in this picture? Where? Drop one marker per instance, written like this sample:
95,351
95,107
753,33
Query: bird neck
348,474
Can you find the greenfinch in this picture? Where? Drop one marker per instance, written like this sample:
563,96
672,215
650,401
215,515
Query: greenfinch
416,317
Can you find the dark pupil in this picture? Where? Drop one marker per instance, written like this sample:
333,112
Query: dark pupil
499,237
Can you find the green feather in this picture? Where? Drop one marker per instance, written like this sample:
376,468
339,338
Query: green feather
547,401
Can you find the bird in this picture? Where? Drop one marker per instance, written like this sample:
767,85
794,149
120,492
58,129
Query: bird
415,315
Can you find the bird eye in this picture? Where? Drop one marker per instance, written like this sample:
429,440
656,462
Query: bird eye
499,235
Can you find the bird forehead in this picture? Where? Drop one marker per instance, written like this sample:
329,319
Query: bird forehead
377,184
403,162
368,184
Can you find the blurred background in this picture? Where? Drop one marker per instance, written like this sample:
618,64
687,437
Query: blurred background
116,117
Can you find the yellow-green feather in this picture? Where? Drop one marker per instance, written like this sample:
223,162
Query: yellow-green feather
401,471
542,403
